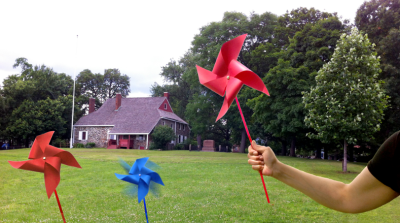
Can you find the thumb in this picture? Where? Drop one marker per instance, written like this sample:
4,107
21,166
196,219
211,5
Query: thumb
259,149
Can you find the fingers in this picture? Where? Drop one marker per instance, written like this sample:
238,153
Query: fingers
257,167
255,162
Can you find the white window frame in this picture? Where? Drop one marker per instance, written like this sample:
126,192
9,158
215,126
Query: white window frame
80,135
165,106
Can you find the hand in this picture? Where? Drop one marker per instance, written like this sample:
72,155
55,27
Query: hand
262,159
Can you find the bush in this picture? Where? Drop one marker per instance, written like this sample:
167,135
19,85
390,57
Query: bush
90,145
179,147
161,135
79,145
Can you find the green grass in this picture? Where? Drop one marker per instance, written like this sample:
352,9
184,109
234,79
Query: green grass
199,187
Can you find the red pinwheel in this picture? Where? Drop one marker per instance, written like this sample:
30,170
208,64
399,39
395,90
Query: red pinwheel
47,159
228,75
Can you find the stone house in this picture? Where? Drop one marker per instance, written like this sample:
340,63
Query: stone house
128,122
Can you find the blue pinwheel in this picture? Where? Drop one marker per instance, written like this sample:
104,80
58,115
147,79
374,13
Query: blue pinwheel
141,176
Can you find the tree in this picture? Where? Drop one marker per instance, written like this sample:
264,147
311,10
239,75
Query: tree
177,76
282,114
34,84
161,135
348,101
100,86
34,118
381,21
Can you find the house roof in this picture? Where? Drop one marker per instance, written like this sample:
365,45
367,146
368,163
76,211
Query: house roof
136,115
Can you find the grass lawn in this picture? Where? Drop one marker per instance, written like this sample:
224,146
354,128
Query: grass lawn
199,187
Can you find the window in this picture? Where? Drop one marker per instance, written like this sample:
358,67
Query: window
140,137
180,126
183,127
165,106
172,126
112,137
163,123
185,138
83,135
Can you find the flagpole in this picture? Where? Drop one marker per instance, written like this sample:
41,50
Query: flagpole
73,97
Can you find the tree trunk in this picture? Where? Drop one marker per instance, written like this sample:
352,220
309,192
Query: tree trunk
318,153
326,152
283,147
336,154
27,142
345,157
243,142
293,147
198,142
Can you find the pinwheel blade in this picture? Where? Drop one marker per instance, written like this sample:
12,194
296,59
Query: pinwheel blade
51,179
39,145
36,165
124,165
212,81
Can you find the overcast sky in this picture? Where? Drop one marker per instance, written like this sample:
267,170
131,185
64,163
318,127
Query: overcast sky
137,37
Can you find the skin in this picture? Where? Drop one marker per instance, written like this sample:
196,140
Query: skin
364,193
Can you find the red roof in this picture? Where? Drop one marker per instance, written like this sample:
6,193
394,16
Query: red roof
136,115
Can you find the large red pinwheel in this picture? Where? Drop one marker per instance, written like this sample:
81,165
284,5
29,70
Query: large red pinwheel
228,75
47,159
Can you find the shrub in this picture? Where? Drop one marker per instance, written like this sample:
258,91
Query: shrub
179,147
161,136
90,145
79,145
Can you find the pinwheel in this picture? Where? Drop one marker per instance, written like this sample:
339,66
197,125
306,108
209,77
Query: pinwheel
47,159
228,77
141,176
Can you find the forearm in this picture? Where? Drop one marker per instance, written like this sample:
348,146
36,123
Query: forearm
327,192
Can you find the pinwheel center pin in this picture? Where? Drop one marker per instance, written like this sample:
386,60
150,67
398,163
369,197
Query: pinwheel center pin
227,77
44,158
140,174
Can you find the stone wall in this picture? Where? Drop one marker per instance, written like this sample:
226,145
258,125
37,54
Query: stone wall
96,134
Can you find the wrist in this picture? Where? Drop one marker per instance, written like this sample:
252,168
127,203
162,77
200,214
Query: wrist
277,169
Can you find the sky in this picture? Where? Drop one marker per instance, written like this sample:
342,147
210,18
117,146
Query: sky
136,37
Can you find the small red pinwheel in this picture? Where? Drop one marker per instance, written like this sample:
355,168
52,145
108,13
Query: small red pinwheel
228,75
47,159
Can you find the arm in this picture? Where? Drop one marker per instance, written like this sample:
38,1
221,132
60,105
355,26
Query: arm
364,193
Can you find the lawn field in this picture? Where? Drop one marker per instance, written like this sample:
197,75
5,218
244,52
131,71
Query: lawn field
199,187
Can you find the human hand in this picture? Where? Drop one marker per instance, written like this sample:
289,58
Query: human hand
262,159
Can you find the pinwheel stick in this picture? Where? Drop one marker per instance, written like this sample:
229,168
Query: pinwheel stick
248,134
59,206
145,210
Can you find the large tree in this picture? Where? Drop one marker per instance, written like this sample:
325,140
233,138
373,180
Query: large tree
34,84
347,102
380,19
282,114
100,86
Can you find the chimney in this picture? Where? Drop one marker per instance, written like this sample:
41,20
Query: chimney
118,101
166,94
91,105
